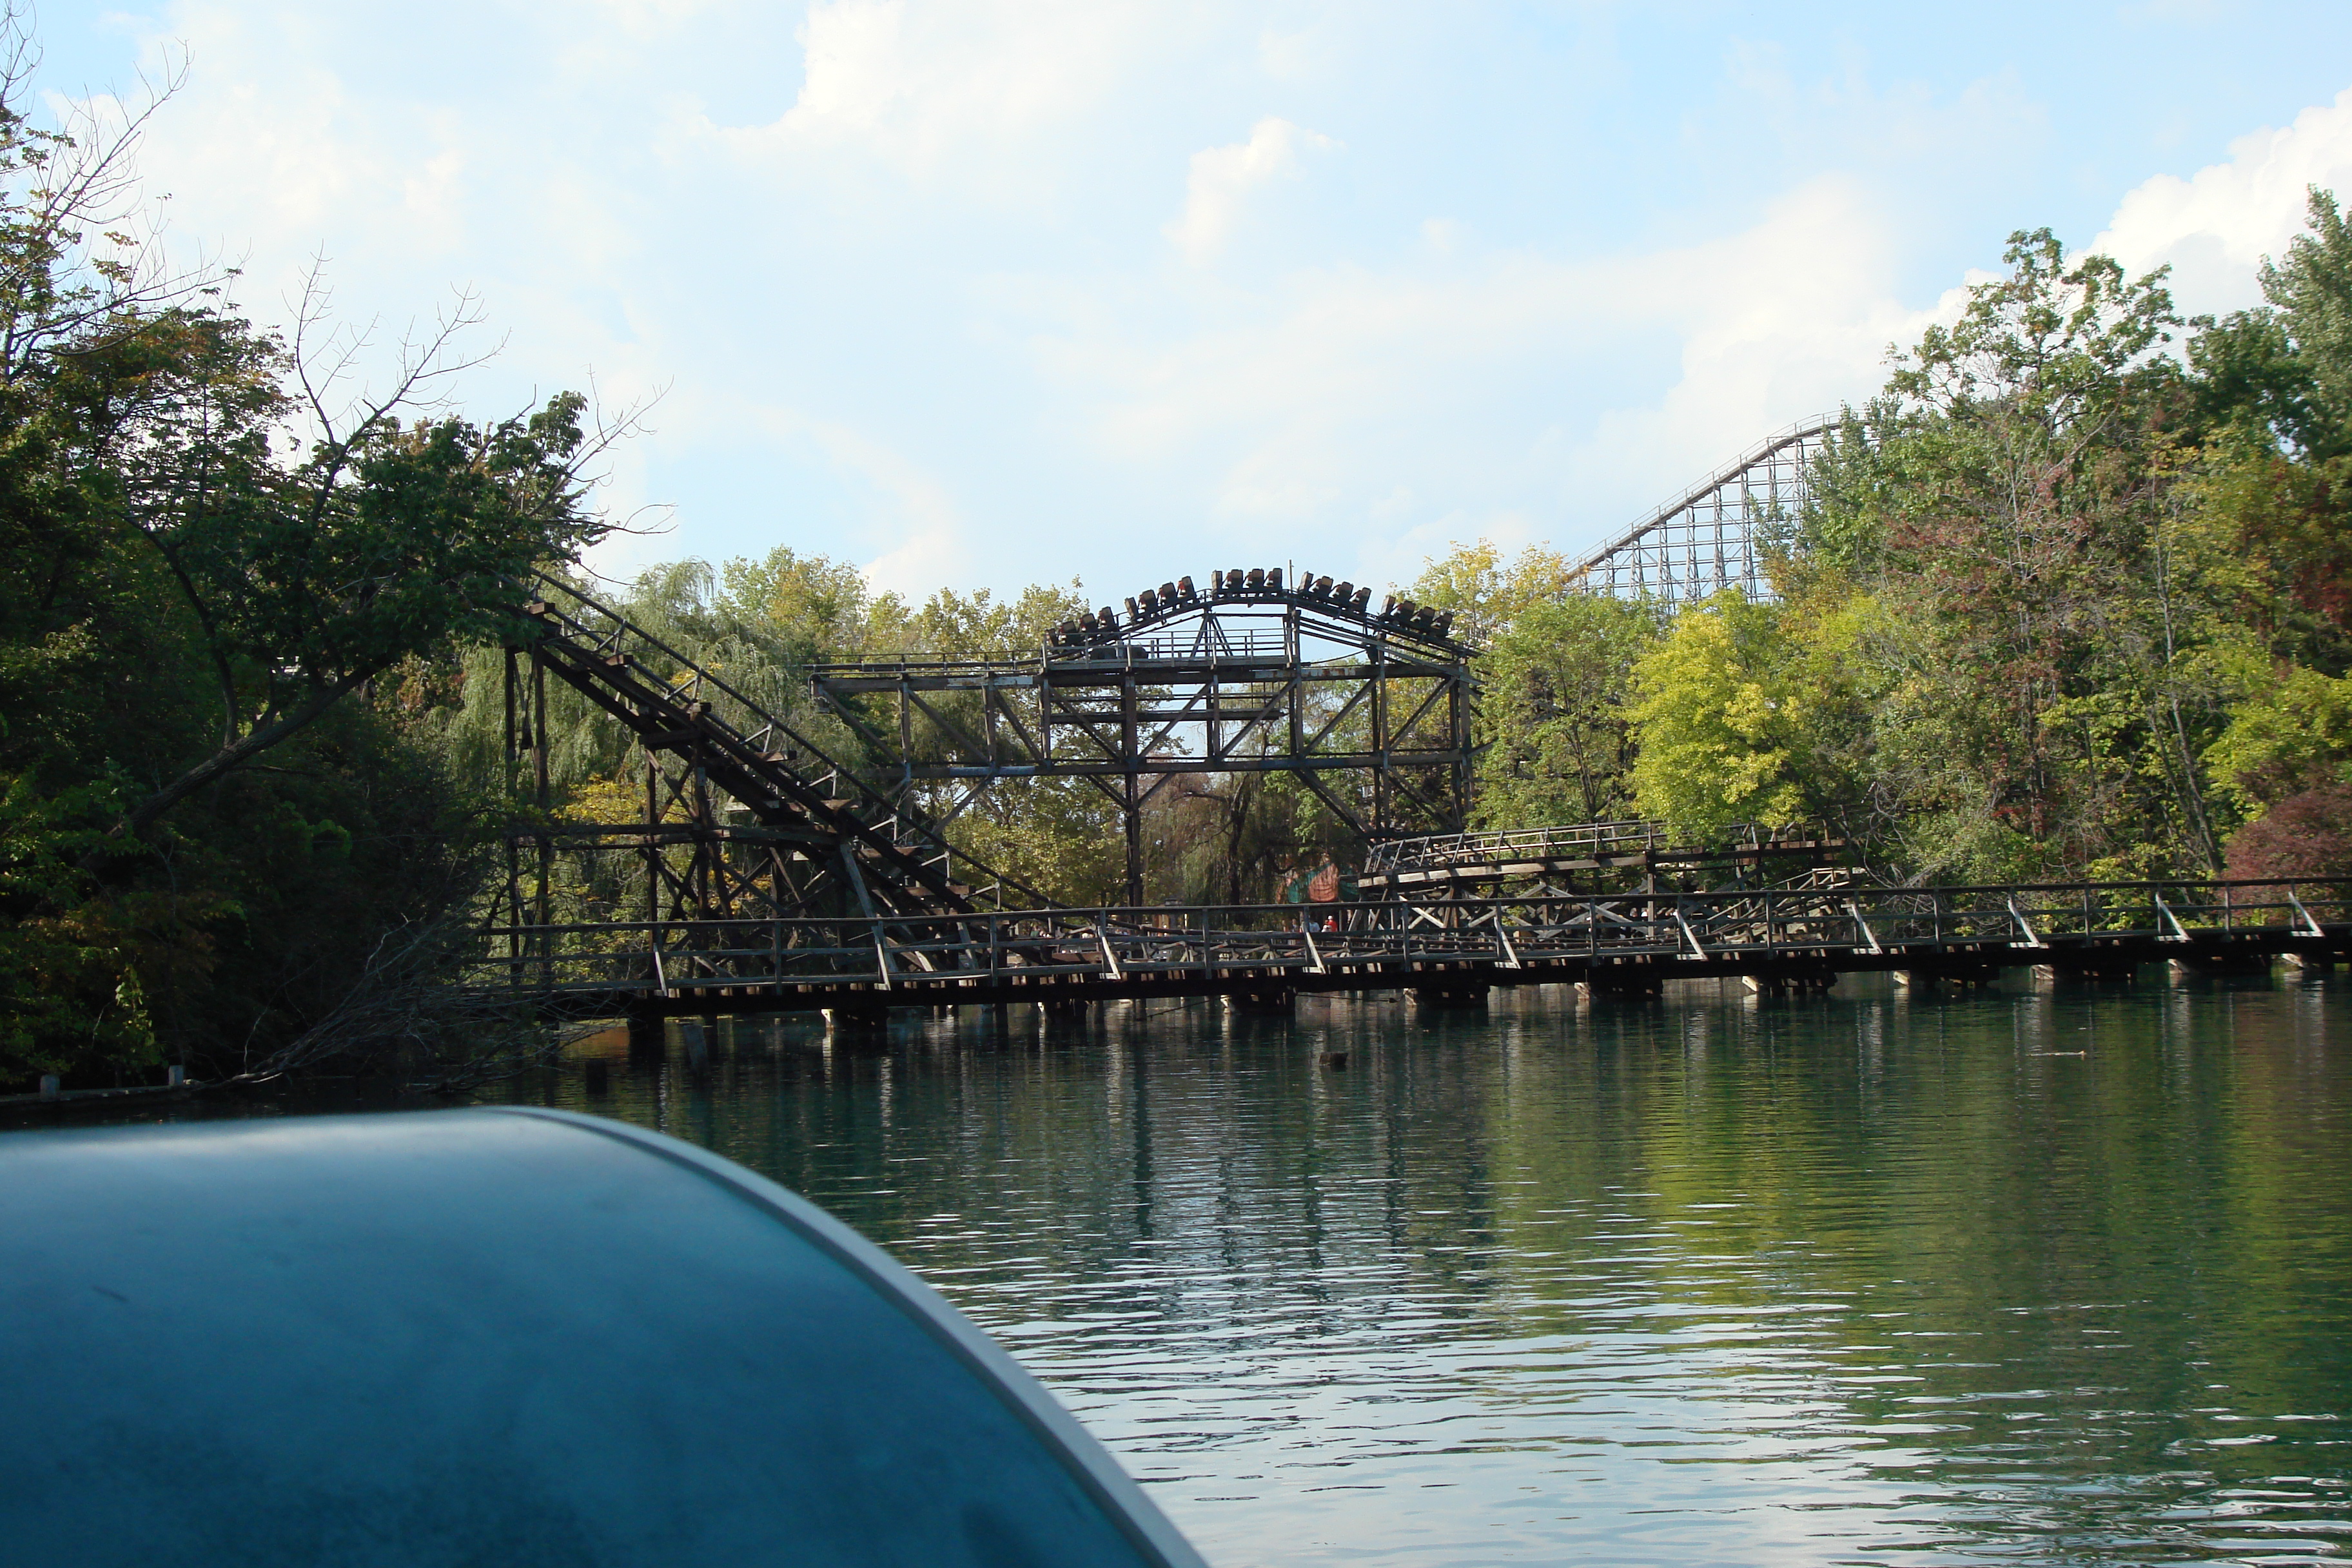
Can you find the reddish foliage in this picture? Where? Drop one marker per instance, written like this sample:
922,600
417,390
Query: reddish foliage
2022,569
2322,581
2307,835
2294,532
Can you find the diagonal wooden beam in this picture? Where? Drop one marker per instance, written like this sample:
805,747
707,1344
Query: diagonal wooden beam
978,788
1355,699
995,694
1355,824
1435,691
1267,713
955,731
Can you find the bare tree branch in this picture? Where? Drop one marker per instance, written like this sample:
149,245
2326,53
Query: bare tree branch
403,1016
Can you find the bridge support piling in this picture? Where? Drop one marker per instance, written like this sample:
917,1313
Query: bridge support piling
2088,970
646,1041
2222,965
1925,977
1270,998
1788,983
1624,982
859,1017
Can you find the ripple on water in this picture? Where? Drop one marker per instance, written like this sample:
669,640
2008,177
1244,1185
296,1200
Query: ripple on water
1702,1281
2012,1277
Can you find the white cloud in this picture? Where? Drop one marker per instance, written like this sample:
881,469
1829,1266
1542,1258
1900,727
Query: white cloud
1825,105
933,87
929,537
2215,227
855,69
1221,178
1354,386
914,534
911,270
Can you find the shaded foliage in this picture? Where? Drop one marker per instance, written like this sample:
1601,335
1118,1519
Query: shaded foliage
1555,721
2308,834
213,803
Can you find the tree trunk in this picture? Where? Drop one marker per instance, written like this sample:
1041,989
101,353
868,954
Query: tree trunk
231,757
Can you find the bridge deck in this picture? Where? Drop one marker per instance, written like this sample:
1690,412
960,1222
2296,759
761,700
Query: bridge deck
1616,941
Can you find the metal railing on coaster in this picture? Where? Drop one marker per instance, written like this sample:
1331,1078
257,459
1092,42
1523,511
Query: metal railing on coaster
1574,840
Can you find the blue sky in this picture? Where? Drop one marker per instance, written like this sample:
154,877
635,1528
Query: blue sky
982,294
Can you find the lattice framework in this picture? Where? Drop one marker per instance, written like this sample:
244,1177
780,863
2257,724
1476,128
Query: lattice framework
1703,540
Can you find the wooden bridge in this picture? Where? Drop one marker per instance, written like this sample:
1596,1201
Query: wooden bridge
1449,950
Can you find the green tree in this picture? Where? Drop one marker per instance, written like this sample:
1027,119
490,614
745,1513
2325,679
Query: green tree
1487,593
1554,729
204,564
2008,506
2311,290
1728,717
309,578
2273,403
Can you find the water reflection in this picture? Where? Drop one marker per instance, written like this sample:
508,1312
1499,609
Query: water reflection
2045,1274
2012,1276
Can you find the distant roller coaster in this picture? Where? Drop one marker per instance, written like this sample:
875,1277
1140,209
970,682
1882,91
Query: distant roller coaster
1704,540
755,872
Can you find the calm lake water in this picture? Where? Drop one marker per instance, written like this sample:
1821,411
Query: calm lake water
2016,1277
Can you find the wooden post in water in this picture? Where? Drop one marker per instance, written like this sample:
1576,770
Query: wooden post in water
646,1041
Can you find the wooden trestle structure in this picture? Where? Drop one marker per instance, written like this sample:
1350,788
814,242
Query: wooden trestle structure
742,815
1370,708
763,875
1704,538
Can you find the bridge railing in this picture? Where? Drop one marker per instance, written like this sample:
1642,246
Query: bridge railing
1583,840
1206,945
